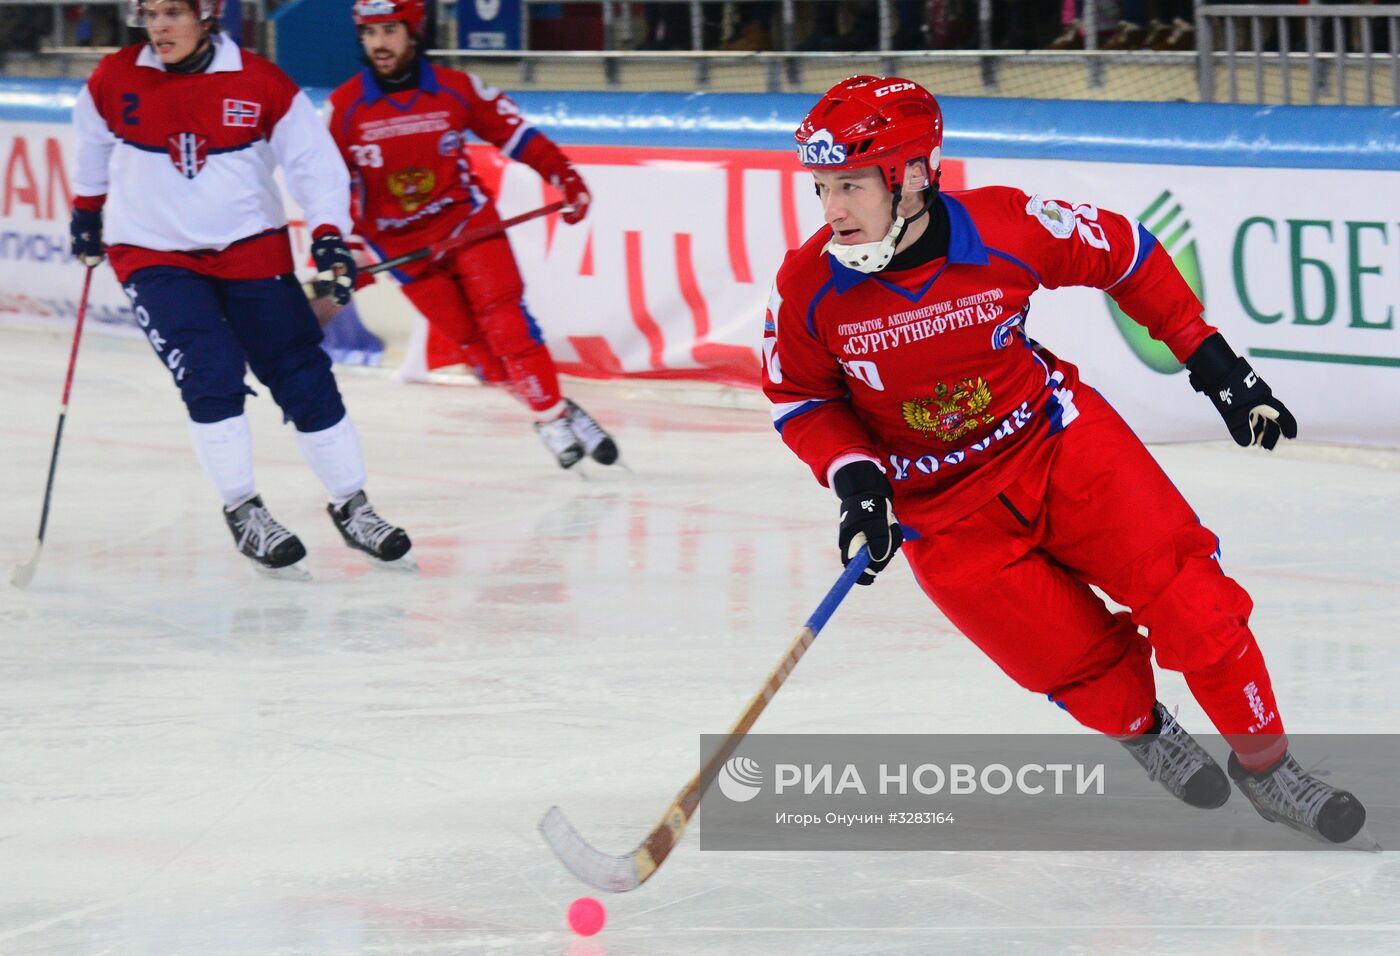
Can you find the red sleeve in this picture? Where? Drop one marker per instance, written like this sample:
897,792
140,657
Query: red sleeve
804,381
493,116
540,154
1080,244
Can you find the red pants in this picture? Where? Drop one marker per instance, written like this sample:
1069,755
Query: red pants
473,301
1096,509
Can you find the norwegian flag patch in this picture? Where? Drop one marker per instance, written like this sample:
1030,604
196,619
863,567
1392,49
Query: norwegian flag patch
241,113
189,153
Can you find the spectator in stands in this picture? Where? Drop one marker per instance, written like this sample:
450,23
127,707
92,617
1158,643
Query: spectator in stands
1072,22
23,28
746,26
80,16
1132,29
853,25
951,24
1165,31
910,30
668,26
1144,24
1018,28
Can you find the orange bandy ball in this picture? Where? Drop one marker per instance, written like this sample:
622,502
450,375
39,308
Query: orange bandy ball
586,916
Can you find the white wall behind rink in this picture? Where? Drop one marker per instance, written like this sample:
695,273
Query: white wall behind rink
669,275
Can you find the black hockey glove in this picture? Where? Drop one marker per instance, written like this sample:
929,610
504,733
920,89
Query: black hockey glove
867,517
1242,398
335,268
86,229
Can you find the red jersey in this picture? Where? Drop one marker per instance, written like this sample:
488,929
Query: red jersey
407,152
929,370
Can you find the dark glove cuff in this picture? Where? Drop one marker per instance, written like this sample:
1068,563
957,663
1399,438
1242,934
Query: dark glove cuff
328,242
1211,363
861,478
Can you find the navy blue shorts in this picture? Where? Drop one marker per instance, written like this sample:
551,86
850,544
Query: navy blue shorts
209,331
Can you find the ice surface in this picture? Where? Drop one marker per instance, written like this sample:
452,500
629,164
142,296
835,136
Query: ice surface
196,760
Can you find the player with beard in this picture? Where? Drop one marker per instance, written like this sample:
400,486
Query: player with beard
401,124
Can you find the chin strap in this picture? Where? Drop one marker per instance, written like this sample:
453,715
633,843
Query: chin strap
870,257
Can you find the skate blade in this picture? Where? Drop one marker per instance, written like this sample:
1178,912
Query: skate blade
292,572
595,470
406,563
1360,840
1363,841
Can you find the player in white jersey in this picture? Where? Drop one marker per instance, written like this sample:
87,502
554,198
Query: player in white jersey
178,139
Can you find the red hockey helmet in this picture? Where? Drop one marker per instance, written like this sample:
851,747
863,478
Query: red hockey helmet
411,12
204,9
873,121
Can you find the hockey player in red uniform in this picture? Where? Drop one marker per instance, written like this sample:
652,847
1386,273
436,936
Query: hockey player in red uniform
899,368
401,125
177,140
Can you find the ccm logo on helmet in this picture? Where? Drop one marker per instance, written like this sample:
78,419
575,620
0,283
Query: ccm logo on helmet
894,88
821,150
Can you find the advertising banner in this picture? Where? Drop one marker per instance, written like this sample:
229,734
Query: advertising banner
39,279
1303,282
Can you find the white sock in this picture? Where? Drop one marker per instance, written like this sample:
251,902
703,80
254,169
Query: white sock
334,454
225,452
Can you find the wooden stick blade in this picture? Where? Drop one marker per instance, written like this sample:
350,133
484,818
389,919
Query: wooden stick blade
611,874
24,573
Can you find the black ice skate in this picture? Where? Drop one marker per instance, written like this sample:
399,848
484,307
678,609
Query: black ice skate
597,444
365,531
1288,794
273,549
1172,757
560,439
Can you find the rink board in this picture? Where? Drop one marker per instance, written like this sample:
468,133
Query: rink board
1295,251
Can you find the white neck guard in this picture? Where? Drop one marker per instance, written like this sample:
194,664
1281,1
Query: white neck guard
868,256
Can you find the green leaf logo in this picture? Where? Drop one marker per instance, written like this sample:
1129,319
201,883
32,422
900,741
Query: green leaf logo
1160,217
